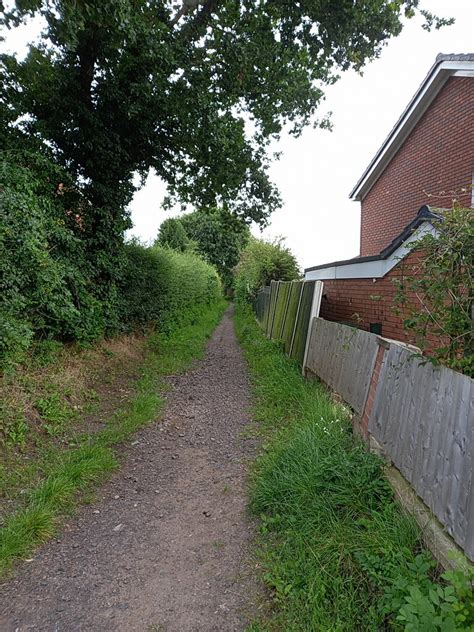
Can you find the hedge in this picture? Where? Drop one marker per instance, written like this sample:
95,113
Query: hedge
161,285
52,283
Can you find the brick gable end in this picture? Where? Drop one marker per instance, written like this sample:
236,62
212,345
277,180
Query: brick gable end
437,156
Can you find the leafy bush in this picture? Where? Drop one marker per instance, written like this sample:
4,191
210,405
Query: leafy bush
415,598
435,295
219,236
44,286
56,283
161,285
262,262
216,234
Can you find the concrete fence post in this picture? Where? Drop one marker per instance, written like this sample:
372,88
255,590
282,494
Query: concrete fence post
363,425
315,307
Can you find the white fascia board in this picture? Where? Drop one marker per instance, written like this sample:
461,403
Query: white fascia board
370,269
410,117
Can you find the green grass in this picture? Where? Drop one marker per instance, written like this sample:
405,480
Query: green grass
71,475
337,551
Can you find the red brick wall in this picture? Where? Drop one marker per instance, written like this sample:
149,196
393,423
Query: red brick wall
437,156
365,301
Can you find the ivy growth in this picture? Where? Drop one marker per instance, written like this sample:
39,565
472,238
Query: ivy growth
435,294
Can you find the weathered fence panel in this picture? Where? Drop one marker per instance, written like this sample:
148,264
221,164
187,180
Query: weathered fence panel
423,417
260,304
344,358
271,308
291,312
284,310
280,310
302,322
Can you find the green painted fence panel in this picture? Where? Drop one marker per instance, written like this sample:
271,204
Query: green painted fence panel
292,308
302,322
280,310
284,311
271,310
266,309
261,304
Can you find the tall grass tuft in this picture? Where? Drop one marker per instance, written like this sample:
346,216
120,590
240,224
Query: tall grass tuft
333,538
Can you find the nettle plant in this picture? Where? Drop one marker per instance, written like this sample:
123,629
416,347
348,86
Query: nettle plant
435,294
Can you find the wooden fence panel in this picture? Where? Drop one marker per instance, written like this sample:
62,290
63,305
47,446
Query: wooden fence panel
344,358
271,308
284,311
423,417
291,311
260,305
302,322
280,310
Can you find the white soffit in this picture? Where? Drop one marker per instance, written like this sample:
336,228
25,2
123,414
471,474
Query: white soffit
423,98
370,269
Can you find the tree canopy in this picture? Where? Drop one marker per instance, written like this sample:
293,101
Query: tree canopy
219,237
172,235
215,234
121,86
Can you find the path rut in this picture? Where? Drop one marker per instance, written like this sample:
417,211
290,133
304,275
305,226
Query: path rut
167,547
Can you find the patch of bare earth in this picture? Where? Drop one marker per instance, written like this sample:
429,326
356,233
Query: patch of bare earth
91,385
167,546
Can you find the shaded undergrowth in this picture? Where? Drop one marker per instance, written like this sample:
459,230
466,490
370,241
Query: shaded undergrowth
337,551
65,473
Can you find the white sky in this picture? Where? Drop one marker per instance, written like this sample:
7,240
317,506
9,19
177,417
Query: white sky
317,171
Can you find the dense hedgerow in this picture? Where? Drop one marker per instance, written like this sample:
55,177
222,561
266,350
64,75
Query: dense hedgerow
162,285
215,234
45,290
262,262
54,285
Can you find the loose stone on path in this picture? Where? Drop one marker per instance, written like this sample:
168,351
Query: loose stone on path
173,552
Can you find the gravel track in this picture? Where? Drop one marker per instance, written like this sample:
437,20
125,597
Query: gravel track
166,548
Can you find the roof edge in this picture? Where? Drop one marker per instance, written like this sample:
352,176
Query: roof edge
425,214
445,66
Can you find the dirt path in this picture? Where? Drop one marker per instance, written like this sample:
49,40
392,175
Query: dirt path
166,548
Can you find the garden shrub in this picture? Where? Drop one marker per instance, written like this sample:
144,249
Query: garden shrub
435,294
262,262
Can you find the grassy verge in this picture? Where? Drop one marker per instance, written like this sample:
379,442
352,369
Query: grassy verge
337,551
53,489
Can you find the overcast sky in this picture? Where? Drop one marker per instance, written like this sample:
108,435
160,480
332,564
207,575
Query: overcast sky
317,171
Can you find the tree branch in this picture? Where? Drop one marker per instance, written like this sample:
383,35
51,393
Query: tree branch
201,18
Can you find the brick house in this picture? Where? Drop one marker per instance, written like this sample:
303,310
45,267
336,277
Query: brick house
426,161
